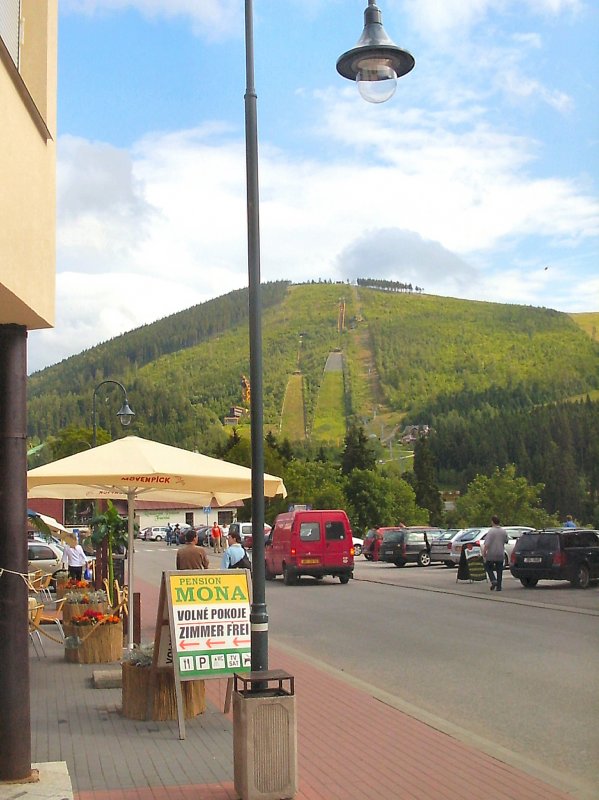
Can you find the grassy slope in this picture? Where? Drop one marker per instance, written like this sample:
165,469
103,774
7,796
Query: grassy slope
400,351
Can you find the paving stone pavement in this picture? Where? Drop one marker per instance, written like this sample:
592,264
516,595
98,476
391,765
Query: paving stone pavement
113,758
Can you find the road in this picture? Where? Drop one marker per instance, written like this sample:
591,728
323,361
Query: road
516,669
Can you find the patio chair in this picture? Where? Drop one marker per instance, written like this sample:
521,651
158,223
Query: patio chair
35,613
52,617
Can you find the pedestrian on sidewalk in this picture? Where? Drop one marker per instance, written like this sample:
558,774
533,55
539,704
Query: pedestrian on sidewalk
192,555
216,534
169,534
493,551
76,560
235,555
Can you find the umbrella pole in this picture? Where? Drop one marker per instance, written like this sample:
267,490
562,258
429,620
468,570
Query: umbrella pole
130,528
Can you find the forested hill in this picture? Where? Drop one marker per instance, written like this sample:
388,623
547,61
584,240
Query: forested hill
406,358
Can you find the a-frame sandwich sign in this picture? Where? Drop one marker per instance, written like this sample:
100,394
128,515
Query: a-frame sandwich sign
205,614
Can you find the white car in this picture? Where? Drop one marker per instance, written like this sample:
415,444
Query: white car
44,555
358,544
472,538
154,534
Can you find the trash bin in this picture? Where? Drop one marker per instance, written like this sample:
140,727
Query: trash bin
264,735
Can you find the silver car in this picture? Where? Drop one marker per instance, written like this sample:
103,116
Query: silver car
441,547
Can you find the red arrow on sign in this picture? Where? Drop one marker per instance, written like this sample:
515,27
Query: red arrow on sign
237,641
183,644
214,642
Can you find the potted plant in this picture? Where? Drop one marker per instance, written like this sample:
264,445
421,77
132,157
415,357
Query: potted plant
80,600
109,528
137,670
93,638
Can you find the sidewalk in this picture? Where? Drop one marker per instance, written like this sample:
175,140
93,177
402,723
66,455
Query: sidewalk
352,745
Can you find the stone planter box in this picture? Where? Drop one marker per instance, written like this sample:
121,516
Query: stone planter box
136,685
101,644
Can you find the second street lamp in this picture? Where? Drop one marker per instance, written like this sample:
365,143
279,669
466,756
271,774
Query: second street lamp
125,414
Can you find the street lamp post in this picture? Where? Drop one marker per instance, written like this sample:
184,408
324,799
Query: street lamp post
375,63
125,414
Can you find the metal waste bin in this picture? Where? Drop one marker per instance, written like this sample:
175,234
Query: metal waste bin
264,735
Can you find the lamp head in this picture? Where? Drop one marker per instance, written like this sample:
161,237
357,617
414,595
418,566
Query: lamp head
126,414
375,63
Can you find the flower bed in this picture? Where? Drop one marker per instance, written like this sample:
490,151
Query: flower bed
93,638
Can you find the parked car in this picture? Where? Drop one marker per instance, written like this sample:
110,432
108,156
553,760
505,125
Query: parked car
566,554
372,543
315,543
157,533
441,547
402,546
358,544
43,555
245,531
472,538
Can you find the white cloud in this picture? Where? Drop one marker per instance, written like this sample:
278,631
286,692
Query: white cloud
210,19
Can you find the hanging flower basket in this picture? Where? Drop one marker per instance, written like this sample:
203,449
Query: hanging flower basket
93,638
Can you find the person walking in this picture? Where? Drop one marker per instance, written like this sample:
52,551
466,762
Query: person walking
235,555
192,555
216,534
493,551
75,559
169,534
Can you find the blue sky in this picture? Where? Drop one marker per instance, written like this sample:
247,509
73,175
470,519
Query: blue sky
478,179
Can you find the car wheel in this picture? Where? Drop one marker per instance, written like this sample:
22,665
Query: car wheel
357,550
449,564
528,582
582,578
367,556
158,538
344,578
424,559
289,578
399,563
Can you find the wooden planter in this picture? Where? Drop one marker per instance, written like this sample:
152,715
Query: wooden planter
101,644
61,588
70,610
136,685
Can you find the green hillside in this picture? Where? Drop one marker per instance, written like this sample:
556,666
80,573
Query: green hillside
406,358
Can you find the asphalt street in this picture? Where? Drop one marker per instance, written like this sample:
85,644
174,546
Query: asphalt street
514,669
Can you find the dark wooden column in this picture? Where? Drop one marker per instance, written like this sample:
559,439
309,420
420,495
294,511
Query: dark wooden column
15,714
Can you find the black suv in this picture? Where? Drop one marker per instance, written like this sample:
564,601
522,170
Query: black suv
408,545
556,555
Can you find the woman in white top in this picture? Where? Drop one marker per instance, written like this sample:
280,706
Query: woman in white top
76,561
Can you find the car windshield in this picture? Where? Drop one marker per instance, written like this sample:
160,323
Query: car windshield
537,541
445,536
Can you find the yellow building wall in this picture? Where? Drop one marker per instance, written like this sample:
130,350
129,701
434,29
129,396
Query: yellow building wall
28,171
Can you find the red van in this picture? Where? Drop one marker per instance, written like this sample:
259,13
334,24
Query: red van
315,543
